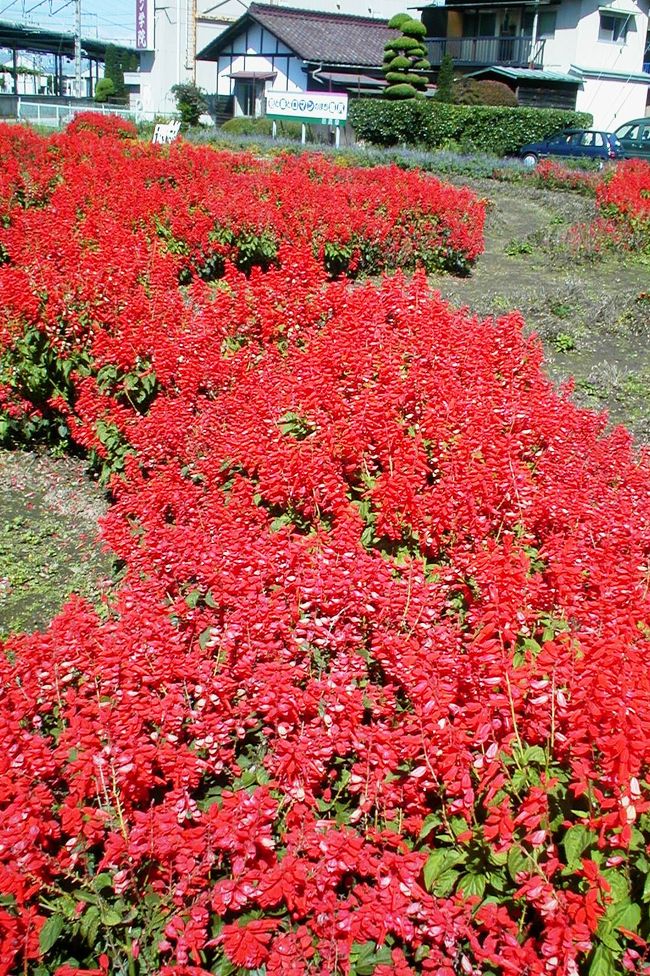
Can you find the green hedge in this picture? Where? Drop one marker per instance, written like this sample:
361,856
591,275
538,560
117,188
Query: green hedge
244,126
474,128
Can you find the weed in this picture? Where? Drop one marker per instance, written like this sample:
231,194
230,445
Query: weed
563,342
515,248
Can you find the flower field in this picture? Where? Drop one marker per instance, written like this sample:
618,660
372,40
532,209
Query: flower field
372,696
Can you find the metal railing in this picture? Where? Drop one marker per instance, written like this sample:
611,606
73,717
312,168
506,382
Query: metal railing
506,51
56,116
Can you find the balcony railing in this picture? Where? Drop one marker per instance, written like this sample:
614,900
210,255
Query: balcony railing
514,52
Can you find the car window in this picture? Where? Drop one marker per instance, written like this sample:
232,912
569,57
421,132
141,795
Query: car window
559,140
628,132
586,139
598,140
645,134
573,139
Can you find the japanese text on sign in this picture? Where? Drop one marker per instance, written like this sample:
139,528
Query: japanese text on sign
322,107
141,24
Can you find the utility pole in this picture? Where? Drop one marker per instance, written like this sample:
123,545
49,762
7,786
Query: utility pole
77,49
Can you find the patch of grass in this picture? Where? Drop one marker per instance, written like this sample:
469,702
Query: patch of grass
635,386
561,310
514,248
44,558
563,342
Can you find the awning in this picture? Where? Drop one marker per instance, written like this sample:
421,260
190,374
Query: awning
351,80
253,75
526,74
615,11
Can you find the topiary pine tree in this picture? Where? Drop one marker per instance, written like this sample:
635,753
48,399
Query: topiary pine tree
445,82
405,59
104,89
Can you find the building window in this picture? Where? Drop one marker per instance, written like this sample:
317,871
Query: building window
545,23
483,24
615,27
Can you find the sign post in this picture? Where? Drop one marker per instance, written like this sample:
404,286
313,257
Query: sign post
321,108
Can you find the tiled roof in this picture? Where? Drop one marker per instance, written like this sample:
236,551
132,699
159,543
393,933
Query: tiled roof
316,36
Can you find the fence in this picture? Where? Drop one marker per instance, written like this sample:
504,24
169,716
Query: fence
515,51
44,113
57,115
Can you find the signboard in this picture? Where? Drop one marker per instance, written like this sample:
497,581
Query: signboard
324,107
141,37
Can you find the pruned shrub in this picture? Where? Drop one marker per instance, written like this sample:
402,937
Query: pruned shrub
496,93
432,124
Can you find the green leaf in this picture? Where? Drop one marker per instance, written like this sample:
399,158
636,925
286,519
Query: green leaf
111,917
90,924
472,885
430,823
576,840
50,932
517,862
444,885
534,754
603,962
438,863
103,880
626,916
620,891
646,889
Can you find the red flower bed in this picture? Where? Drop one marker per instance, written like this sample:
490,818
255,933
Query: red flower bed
372,696
627,189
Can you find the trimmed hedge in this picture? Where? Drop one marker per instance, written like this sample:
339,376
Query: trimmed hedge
244,126
475,128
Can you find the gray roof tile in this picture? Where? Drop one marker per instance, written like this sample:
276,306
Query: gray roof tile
318,36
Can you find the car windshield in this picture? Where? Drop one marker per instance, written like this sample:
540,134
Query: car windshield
628,131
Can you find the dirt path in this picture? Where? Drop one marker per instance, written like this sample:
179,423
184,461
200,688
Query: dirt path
48,538
587,312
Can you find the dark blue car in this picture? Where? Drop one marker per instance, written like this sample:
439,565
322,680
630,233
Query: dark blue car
574,143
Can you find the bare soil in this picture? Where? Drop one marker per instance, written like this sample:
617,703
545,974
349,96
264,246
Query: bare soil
586,309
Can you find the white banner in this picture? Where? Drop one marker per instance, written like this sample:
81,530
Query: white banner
324,107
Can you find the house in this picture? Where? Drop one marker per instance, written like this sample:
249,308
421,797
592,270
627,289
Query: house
170,34
587,54
275,48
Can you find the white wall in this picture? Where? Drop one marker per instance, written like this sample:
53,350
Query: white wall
289,73
577,41
169,58
577,44
612,102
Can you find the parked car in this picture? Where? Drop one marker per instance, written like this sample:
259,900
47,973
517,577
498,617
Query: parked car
574,143
634,136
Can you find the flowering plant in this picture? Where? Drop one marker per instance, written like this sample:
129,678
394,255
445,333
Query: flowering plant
372,695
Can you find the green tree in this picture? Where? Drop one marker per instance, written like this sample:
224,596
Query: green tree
190,101
445,82
104,89
405,59
114,69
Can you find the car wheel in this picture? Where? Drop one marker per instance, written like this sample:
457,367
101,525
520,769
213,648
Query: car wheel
529,160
